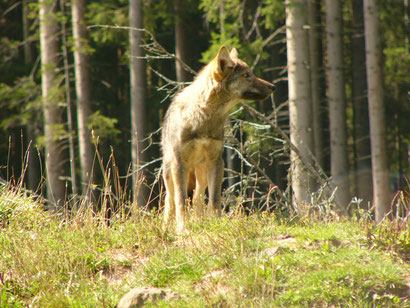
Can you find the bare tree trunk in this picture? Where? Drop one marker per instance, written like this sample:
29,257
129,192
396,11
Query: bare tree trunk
137,74
33,168
28,50
71,144
83,93
53,120
339,165
315,61
228,151
181,49
381,193
363,164
406,22
300,104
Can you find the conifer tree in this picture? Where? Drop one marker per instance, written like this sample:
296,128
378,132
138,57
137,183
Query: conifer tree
83,94
300,103
339,163
381,195
138,115
53,121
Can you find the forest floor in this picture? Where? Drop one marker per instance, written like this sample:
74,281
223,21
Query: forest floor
257,260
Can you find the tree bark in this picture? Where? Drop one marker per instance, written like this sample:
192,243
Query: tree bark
54,153
300,104
137,75
71,145
33,168
181,49
83,94
229,153
381,193
315,50
339,165
363,164
28,50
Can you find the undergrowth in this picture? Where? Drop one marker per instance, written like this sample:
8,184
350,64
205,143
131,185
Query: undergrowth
258,260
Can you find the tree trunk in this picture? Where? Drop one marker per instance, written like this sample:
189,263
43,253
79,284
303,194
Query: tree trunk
28,50
315,48
300,104
33,168
83,94
229,153
363,164
339,165
181,49
381,194
137,74
53,121
71,145
406,22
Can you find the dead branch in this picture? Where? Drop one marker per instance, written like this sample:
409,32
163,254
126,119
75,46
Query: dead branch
154,48
319,174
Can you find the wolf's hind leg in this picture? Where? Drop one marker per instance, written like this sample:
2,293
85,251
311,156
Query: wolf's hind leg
179,176
169,211
199,193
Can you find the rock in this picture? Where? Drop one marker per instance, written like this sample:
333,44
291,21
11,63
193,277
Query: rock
271,252
138,297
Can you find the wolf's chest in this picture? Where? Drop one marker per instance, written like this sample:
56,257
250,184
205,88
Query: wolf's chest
201,150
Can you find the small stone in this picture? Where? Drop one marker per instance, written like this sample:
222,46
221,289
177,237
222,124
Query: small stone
138,297
272,252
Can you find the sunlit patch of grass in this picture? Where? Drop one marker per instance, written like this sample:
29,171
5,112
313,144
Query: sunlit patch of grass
392,236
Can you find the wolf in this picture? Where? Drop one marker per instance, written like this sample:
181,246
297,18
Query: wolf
192,138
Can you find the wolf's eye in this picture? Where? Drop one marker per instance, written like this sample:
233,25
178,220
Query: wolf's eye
247,76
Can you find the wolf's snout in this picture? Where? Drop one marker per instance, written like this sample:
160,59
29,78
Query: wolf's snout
272,87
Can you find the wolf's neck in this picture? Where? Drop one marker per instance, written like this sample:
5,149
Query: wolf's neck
210,94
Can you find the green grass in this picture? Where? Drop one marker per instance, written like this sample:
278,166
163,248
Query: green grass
236,261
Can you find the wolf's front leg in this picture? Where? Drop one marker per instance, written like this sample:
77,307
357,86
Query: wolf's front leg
215,177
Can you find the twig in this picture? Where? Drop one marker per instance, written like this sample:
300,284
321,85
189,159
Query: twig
155,48
320,175
256,166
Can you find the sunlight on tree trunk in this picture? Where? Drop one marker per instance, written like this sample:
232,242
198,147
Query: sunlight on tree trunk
53,122
381,191
339,164
137,75
300,104
83,93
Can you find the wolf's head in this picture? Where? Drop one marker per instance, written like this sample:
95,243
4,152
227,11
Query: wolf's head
237,78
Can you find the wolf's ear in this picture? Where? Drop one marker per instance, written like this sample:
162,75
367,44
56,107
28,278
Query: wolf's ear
234,54
225,63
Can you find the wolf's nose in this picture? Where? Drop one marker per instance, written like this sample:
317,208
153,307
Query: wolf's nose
272,87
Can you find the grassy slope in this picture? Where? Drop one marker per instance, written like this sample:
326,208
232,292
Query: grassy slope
237,261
